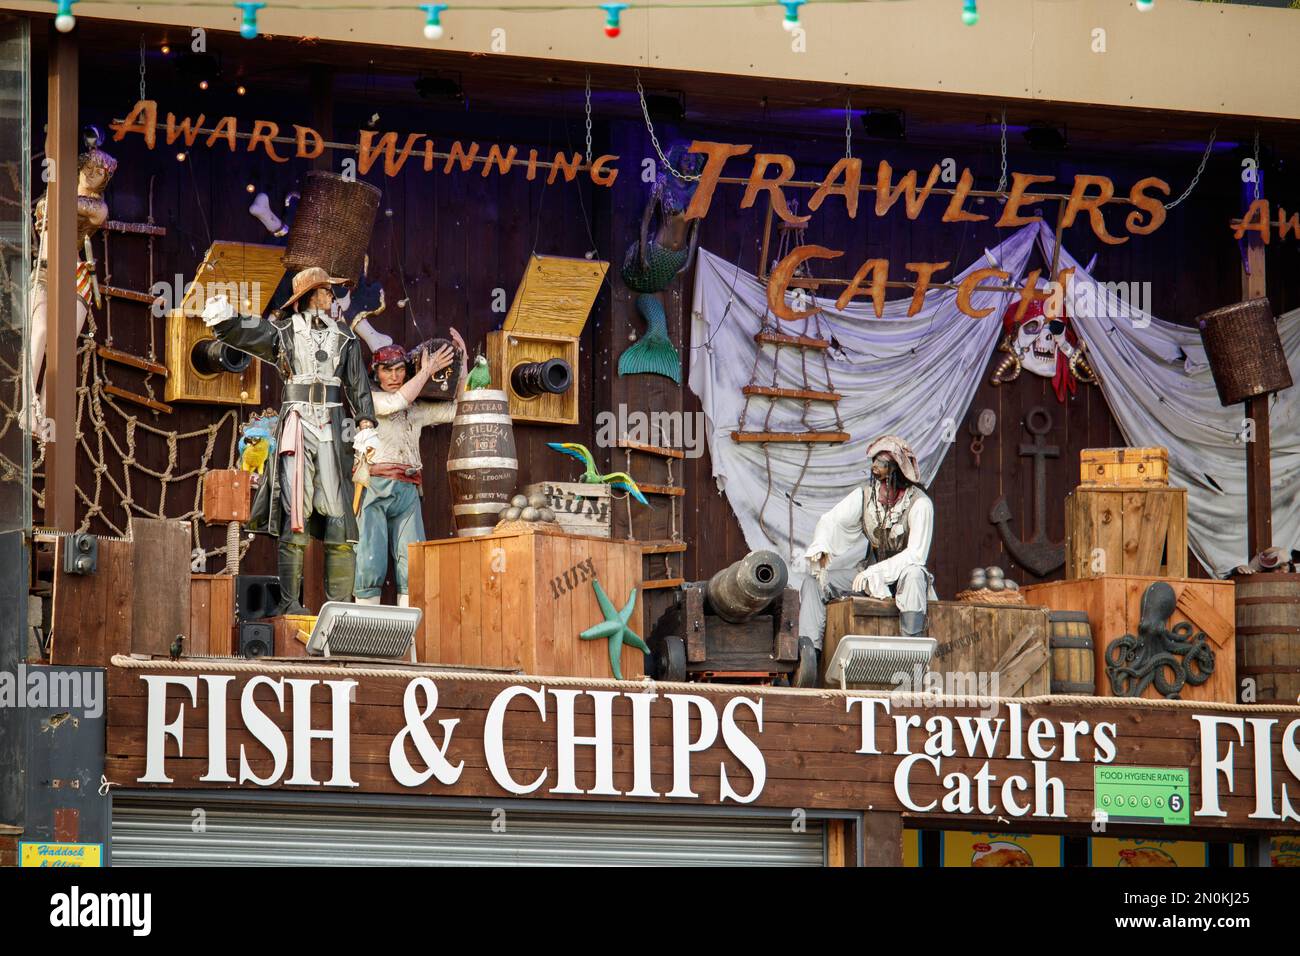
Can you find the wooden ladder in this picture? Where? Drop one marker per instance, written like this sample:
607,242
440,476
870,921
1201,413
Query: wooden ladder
106,352
673,548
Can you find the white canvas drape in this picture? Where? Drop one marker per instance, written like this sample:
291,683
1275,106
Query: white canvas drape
916,377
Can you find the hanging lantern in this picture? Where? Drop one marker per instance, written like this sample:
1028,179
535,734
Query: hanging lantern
612,13
248,26
433,20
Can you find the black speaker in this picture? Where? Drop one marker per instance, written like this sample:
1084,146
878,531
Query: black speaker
256,596
256,639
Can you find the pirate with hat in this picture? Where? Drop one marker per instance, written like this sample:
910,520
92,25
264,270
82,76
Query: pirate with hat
309,491
388,472
893,519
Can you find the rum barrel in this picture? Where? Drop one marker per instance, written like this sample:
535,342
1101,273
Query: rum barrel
1070,642
481,464
1268,635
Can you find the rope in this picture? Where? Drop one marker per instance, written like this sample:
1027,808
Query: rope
325,668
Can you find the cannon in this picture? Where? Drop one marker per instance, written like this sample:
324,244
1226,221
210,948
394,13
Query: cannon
741,625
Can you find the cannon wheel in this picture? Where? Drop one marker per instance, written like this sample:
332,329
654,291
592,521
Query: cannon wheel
670,658
805,674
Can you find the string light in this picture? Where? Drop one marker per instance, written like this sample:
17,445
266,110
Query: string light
433,20
969,15
180,157
791,21
612,12
1144,6
166,49
64,21
240,90
250,188
203,84
248,26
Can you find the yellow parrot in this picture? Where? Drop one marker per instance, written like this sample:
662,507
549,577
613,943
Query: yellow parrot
253,457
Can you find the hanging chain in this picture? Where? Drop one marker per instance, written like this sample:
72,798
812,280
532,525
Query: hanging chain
142,96
654,140
1258,172
1002,180
588,117
1199,169
848,129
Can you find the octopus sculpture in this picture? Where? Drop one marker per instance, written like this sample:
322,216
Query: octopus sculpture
1170,658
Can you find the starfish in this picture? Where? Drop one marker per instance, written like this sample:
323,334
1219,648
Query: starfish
614,628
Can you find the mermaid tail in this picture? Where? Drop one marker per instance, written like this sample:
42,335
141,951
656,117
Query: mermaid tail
654,353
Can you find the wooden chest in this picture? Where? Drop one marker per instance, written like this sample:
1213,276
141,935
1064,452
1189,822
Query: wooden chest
975,641
580,507
1124,467
1113,605
1126,531
519,600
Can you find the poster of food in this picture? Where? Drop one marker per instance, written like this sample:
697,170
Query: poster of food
1113,851
958,848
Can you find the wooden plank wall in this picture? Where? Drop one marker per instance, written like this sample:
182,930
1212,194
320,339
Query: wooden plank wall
452,241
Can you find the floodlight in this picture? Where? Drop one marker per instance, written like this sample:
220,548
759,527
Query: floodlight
364,630
871,659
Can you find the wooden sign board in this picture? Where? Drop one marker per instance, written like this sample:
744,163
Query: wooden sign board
555,295
580,507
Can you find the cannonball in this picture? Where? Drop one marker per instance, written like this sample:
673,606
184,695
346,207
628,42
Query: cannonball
537,501
978,579
995,573
996,584
530,514
510,514
519,501
1011,585
547,514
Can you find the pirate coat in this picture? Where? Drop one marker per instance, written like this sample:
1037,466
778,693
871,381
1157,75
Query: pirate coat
285,343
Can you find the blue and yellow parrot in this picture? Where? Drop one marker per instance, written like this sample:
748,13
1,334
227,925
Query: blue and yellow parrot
615,479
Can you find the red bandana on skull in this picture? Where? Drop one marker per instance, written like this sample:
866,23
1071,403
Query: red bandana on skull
1044,346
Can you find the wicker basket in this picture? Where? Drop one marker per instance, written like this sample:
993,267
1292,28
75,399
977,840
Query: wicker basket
1244,350
332,226
985,596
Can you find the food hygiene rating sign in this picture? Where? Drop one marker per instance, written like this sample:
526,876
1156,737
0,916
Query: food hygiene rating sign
1143,794
494,736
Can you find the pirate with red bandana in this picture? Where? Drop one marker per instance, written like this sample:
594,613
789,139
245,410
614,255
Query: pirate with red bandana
389,473
1044,345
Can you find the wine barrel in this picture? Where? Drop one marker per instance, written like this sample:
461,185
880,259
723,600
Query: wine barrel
1268,635
1073,664
481,464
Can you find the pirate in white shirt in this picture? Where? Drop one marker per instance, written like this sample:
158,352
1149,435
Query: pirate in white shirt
894,518
389,515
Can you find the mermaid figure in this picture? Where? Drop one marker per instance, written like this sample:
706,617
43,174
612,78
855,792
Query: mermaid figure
651,265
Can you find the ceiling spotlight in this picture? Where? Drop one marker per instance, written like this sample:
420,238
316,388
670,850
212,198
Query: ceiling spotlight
438,88
884,124
1045,138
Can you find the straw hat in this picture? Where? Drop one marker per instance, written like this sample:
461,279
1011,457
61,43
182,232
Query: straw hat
309,280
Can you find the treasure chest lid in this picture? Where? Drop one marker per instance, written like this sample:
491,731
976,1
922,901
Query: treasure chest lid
246,273
555,295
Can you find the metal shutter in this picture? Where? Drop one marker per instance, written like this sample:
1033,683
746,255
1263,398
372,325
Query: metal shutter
155,830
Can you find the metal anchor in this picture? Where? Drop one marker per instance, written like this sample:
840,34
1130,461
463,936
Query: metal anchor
1037,555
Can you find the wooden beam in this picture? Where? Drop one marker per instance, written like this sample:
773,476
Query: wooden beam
883,839
61,286
1259,477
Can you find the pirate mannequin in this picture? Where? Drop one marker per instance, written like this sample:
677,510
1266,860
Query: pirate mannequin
309,490
389,514
94,169
894,518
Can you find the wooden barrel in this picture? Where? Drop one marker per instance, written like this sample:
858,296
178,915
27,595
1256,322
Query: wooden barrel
1073,663
481,464
1268,635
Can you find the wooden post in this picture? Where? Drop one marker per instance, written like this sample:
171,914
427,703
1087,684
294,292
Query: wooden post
883,839
1259,477
61,285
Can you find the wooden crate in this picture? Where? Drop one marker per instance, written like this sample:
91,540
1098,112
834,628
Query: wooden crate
92,614
291,633
519,600
227,495
509,349
973,639
580,508
1113,605
1138,531
1123,467
185,383
160,593
212,615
